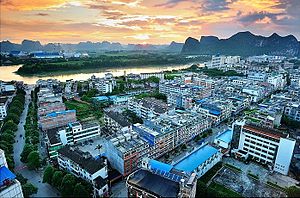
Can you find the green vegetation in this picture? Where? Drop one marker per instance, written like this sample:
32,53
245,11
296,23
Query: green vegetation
289,122
30,154
213,72
275,186
83,110
10,126
156,95
104,61
66,183
209,174
233,168
214,190
132,117
293,191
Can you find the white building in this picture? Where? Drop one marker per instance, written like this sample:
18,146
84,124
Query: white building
3,107
9,186
257,76
83,165
266,146
159,75
265,58
278,81
292,110
103,85
219,61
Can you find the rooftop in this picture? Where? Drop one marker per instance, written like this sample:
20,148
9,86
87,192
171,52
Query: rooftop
118,117
226,136
195,159
265,131
155,184
5,174
83,159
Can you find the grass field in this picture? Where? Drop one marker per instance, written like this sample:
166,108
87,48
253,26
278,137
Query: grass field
225,192
83,110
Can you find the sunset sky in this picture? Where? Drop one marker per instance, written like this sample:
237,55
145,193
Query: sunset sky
144,21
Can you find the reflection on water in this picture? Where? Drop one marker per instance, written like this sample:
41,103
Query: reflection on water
7,73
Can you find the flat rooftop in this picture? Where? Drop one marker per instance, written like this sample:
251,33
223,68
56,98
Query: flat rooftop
225,136
195,159
265,131
155,184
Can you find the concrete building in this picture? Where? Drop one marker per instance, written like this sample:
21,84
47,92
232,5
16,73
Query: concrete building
3,107
49,107
74,133
292,110
224,139
257,76
265,145
57,119
157,179
125,151
46,55
103,85
9,185
219,61
277,80
265,58
159,75
116,121
147,108
83,165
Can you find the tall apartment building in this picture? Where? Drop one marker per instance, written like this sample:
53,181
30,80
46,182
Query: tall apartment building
292,110
74,132
103,85
3,107
159,75
219,61
83,165
257,76
264,145
277,80
57,119
147,108
9,185
125,151
169,131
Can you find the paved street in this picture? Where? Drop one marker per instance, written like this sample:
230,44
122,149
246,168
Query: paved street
34,177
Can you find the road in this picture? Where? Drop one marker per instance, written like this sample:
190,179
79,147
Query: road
33,176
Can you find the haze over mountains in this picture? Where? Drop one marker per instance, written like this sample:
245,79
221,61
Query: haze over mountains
242,43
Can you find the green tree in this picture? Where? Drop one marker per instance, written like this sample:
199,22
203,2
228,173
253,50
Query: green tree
15,110
80,191
57,178
14,117
48,174
33,160
9,125
18,104
28,148
201,189
29,189
67,185
293,191
7,138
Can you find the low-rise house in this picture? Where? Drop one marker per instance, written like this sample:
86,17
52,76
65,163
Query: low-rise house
83,165
3,107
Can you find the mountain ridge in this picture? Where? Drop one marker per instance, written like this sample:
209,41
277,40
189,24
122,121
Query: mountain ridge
243,43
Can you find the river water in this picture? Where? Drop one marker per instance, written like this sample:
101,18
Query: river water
7,73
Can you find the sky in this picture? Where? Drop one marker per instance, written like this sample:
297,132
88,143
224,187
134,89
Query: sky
144,21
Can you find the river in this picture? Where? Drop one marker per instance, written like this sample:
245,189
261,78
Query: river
7,73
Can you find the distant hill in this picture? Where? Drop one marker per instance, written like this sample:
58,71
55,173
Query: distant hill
243,43
30,46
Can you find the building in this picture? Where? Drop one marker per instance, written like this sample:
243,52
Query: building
157,179
57,119
9,185
147,108
46,55
224,139
159,75
125,151
103,85
292,110
257,76
219,61
171,130
116,121
83,165
49,107
74,132
265,145
3,107
265,58
277,80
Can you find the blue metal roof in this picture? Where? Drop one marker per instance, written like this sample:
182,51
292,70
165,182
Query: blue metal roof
5,174
195,159
214,112
101,98
55,114
156,165
226,136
